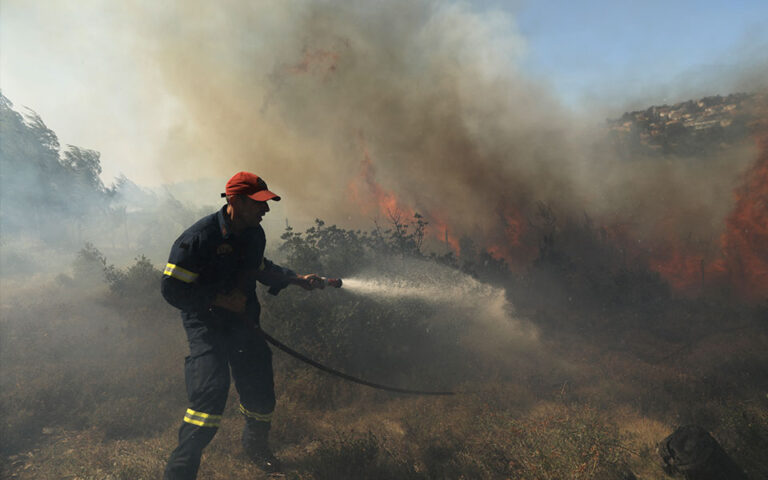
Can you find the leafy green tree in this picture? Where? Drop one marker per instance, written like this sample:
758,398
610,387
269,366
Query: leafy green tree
44,191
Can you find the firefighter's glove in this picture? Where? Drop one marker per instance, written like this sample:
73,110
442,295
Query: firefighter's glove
309,282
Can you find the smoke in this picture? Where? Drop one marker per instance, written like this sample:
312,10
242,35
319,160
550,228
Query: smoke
334,104
350,111
297,91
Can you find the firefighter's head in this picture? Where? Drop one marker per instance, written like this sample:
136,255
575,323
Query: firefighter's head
247,197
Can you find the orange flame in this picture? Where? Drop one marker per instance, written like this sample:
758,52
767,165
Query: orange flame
369,194
515,248
741,261
745,241
514,227
442,232
385,200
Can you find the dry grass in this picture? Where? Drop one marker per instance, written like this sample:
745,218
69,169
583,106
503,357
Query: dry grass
92,389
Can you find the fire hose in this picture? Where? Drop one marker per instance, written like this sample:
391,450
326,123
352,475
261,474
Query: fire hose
336,282
285,348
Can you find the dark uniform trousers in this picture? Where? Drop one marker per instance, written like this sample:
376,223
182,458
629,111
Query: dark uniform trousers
219,342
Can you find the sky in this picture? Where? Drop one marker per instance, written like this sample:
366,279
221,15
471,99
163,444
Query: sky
83,68
629,49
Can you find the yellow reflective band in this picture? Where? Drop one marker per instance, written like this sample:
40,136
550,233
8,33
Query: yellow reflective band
199,423
179,273
202,419
202,415
261,417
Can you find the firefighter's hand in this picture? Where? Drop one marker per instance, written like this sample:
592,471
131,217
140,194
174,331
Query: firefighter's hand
233,301
309,282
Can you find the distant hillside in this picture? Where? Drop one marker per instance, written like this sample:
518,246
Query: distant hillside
688,128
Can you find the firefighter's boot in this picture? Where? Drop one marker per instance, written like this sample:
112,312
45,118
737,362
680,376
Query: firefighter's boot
256,446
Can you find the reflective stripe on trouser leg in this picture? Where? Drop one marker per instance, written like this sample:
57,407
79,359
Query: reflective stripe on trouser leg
260,417
207,379
202,419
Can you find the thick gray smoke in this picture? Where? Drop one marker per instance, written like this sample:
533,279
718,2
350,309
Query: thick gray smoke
348,110
345,106
300,94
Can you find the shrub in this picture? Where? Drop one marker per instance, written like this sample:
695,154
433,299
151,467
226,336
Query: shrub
357,334
89,266
140,281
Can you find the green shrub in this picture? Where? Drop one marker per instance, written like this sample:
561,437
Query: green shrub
139,282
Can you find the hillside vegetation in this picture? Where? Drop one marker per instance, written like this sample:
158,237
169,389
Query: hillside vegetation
92,382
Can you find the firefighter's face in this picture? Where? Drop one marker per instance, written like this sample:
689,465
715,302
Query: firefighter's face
249,212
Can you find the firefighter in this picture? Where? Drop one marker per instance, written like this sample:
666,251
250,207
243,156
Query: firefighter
211,277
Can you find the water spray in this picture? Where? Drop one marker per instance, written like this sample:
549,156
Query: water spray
413,280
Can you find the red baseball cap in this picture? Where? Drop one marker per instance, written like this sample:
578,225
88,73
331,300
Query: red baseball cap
250,185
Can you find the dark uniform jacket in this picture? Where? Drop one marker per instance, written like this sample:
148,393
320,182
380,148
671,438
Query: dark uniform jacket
208,259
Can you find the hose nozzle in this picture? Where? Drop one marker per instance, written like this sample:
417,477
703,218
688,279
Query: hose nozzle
332,282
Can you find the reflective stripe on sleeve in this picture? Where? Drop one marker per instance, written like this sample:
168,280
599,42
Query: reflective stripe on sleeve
261,417
202,419
179,273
